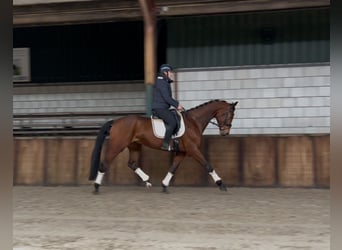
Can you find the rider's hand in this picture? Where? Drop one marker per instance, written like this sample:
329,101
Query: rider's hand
180,107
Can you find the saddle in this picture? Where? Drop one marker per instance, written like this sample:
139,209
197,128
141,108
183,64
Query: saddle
159,129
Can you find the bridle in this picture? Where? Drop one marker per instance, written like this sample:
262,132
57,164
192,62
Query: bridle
225,124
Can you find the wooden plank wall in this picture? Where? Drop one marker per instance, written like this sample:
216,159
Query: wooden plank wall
255,161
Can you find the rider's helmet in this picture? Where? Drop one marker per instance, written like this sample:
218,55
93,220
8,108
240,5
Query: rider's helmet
164,68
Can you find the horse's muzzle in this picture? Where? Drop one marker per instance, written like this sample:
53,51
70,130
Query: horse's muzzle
225,132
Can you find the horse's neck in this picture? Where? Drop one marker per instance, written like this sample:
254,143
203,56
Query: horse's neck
203,115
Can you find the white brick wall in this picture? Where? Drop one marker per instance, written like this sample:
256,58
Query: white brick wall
76,98
272,100
115,97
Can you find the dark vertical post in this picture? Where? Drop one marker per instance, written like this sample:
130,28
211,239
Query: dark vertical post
149,14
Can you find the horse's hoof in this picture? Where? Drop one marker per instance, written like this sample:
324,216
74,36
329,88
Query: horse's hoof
221,185
96,188
165,190
148,184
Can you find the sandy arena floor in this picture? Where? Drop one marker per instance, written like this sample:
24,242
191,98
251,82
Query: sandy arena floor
189,218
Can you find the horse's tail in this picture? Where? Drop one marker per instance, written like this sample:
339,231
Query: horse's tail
96,154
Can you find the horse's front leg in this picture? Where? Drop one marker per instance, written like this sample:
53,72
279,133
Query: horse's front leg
197,155
172,170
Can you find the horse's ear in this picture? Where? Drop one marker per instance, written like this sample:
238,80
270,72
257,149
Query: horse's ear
234,103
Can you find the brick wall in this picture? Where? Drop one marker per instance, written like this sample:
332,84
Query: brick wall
272,100
126,97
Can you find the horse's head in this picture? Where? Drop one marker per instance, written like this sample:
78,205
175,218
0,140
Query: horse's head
224,117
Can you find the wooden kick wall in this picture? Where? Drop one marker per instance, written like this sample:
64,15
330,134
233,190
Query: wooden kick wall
258,161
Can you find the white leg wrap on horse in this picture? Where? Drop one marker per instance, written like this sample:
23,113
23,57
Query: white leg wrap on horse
99,177
214,176
167,179
141,174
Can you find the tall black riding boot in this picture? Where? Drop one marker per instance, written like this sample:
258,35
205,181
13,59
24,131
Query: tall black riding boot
166,143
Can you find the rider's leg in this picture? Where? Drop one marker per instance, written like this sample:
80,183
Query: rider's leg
170,125
167,137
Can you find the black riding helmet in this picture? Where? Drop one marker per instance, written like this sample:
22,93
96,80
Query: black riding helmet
165,67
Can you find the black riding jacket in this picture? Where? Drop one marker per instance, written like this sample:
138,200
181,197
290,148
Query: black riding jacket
162,95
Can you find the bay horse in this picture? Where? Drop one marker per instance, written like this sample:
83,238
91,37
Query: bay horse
133,131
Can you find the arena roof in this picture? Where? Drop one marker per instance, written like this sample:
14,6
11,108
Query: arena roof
61,12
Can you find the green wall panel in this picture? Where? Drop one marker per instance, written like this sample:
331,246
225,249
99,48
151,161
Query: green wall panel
282,37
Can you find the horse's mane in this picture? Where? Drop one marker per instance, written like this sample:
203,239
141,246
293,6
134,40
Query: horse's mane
206,103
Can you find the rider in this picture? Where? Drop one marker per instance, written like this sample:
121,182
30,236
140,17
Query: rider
162,101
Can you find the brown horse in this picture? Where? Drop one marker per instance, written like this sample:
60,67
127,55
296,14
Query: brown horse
133,131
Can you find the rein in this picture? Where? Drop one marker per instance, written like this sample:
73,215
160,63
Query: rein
224,122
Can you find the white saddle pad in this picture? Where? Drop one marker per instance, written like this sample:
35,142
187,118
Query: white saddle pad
159,127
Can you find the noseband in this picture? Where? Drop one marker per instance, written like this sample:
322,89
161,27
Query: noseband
225,124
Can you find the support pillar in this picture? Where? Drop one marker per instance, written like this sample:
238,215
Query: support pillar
149,14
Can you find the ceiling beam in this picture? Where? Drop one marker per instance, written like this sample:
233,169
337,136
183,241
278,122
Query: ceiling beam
197,8
122,10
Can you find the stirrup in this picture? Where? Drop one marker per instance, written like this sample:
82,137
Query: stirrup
167,148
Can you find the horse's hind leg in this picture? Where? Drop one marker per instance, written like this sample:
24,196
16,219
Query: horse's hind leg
105,164
134,155
99,177
172,170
